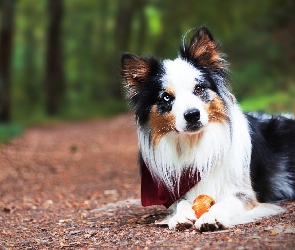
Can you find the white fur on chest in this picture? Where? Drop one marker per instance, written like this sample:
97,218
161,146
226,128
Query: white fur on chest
221,154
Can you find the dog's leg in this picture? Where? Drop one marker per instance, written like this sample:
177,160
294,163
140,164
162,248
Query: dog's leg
239,208
184,216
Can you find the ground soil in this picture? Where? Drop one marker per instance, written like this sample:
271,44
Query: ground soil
77,186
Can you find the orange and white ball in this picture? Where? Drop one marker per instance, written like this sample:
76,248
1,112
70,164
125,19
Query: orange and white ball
202,204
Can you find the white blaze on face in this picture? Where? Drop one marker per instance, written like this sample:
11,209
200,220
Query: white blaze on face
181,77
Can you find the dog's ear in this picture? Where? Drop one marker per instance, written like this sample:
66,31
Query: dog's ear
203,50
138,71
134,71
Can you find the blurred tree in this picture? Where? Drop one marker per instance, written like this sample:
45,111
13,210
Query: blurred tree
122,33
82,79
54,75
6,35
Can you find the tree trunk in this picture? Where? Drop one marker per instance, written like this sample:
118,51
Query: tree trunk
54,77
122,34
6,35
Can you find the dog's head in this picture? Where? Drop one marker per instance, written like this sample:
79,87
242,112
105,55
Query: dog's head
181,95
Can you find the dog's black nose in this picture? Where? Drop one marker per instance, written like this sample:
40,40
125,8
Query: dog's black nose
192,115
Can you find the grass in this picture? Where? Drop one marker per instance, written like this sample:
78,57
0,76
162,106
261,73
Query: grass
9,131
280,102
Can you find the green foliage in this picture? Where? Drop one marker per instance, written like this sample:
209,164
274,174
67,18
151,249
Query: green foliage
280,102
153,16
9,131
89,110
257,36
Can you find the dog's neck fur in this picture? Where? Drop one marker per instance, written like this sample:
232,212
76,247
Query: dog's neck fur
218,144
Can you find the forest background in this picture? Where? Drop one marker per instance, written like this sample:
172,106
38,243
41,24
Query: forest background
60,59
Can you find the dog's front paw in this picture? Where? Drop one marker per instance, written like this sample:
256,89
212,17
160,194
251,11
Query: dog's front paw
181,221
184,217
210,222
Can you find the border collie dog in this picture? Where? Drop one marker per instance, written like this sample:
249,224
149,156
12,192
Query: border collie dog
194,139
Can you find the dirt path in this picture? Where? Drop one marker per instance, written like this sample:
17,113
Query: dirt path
76,186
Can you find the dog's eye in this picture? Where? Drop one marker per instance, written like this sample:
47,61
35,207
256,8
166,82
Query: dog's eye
166,97
199,89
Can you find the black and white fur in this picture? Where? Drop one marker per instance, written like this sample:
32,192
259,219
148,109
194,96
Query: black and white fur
187,116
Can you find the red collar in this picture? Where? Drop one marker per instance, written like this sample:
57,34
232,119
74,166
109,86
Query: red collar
156,193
